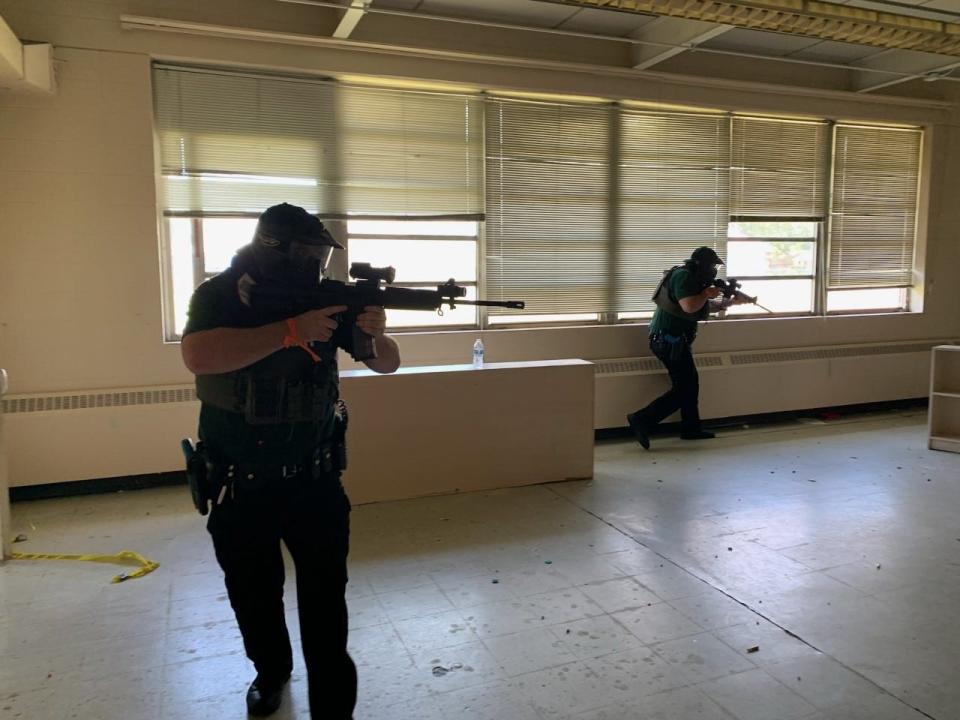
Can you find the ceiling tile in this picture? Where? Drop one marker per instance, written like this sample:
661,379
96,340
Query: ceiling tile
606,22
523,12
951,5
836,52
757,41
898,10
396,4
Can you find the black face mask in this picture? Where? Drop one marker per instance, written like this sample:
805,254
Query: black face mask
706,273
295,263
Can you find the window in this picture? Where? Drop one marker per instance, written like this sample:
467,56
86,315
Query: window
199,249
576,208
873,217
775,262
424,253
548,189
231,144
839,301
674,190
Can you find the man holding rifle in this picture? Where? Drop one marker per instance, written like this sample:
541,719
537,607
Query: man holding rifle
686,295
272,431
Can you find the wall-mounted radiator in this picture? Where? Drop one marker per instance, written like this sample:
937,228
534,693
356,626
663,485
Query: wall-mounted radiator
60,437
762,381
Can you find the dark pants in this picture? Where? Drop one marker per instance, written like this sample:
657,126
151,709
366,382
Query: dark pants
684,392
312,518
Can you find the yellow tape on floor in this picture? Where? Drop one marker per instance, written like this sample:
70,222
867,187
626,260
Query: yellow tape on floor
124,557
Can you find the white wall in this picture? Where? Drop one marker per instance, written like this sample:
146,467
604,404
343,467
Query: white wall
79,262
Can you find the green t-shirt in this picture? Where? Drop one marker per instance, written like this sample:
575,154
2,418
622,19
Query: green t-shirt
681,284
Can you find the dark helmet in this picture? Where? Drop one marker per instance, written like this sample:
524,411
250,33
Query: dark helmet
287,223
291,245
703,264
705,256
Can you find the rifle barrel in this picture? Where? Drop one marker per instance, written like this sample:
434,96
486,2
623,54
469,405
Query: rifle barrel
512,304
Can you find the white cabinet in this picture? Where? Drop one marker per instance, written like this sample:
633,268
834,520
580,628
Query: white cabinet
944,421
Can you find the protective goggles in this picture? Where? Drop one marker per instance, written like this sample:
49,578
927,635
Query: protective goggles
305,253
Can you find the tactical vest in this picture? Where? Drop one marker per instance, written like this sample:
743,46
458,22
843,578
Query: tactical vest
284,387
669,305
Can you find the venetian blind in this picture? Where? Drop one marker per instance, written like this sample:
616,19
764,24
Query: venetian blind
873,213
778,168
234,142
674,196
547,205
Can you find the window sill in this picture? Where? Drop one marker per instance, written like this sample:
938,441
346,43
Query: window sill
463,329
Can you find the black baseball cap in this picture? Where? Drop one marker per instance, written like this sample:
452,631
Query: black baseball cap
706,256
288,223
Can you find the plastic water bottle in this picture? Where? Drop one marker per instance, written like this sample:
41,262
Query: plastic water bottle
478,353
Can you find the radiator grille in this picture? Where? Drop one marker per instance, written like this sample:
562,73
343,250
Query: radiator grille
754,358
647,365
84,401
620,366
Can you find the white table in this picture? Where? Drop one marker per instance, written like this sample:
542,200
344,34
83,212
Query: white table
455,428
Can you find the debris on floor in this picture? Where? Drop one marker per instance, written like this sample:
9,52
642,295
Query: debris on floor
755,648
441,670
20,538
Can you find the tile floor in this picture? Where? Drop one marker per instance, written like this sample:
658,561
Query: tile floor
834,549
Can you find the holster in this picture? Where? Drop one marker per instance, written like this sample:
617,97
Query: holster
673,344
198,474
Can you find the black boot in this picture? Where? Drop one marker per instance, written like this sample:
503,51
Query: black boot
639,430
263,698
700,434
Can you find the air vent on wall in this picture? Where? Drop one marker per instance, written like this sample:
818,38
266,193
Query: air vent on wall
84,401
647,365
754,358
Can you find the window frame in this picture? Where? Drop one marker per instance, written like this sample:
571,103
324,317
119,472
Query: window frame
475,238
905,308
815,277
614,158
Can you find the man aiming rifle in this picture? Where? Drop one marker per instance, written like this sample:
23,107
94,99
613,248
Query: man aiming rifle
686,294
262,340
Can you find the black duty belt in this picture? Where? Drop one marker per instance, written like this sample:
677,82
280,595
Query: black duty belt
670,338
325,460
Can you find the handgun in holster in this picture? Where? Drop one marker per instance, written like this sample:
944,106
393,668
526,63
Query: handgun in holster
198,474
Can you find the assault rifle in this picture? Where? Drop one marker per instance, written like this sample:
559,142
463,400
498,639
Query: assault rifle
284,300
730,290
